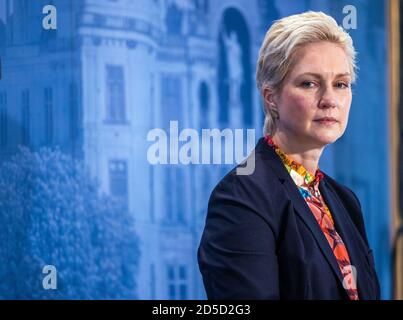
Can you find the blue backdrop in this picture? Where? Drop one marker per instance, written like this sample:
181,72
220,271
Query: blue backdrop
88,209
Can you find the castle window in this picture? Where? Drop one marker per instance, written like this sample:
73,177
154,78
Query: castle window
115,94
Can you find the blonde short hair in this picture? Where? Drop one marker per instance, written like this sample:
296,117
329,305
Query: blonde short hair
281,42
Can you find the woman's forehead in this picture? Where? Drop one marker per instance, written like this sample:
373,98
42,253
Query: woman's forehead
321,59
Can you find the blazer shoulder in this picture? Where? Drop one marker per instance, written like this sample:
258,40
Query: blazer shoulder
262,182
259,193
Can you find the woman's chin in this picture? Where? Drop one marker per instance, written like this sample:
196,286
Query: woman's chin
326,138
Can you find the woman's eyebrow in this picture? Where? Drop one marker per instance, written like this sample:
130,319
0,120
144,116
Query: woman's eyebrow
319,76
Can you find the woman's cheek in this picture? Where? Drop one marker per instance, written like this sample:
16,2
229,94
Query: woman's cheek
345,110
303,108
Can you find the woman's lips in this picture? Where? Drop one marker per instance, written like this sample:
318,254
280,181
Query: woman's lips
326,121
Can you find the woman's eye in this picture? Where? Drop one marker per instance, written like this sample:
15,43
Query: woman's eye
308,84
342,85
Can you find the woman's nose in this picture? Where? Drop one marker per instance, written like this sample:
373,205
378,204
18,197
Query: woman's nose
328,99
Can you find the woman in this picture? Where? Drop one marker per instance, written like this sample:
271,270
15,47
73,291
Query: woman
289,231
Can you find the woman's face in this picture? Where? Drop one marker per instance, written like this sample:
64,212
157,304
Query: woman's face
315,98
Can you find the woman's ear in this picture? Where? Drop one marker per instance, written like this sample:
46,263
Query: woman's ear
269,97
270,102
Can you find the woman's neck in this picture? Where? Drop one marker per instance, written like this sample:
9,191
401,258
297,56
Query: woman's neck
299,150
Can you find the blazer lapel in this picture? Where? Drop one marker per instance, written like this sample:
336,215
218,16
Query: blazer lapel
349,235
305,213
300,206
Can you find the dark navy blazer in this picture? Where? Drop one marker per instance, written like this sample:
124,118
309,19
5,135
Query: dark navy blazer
261,241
